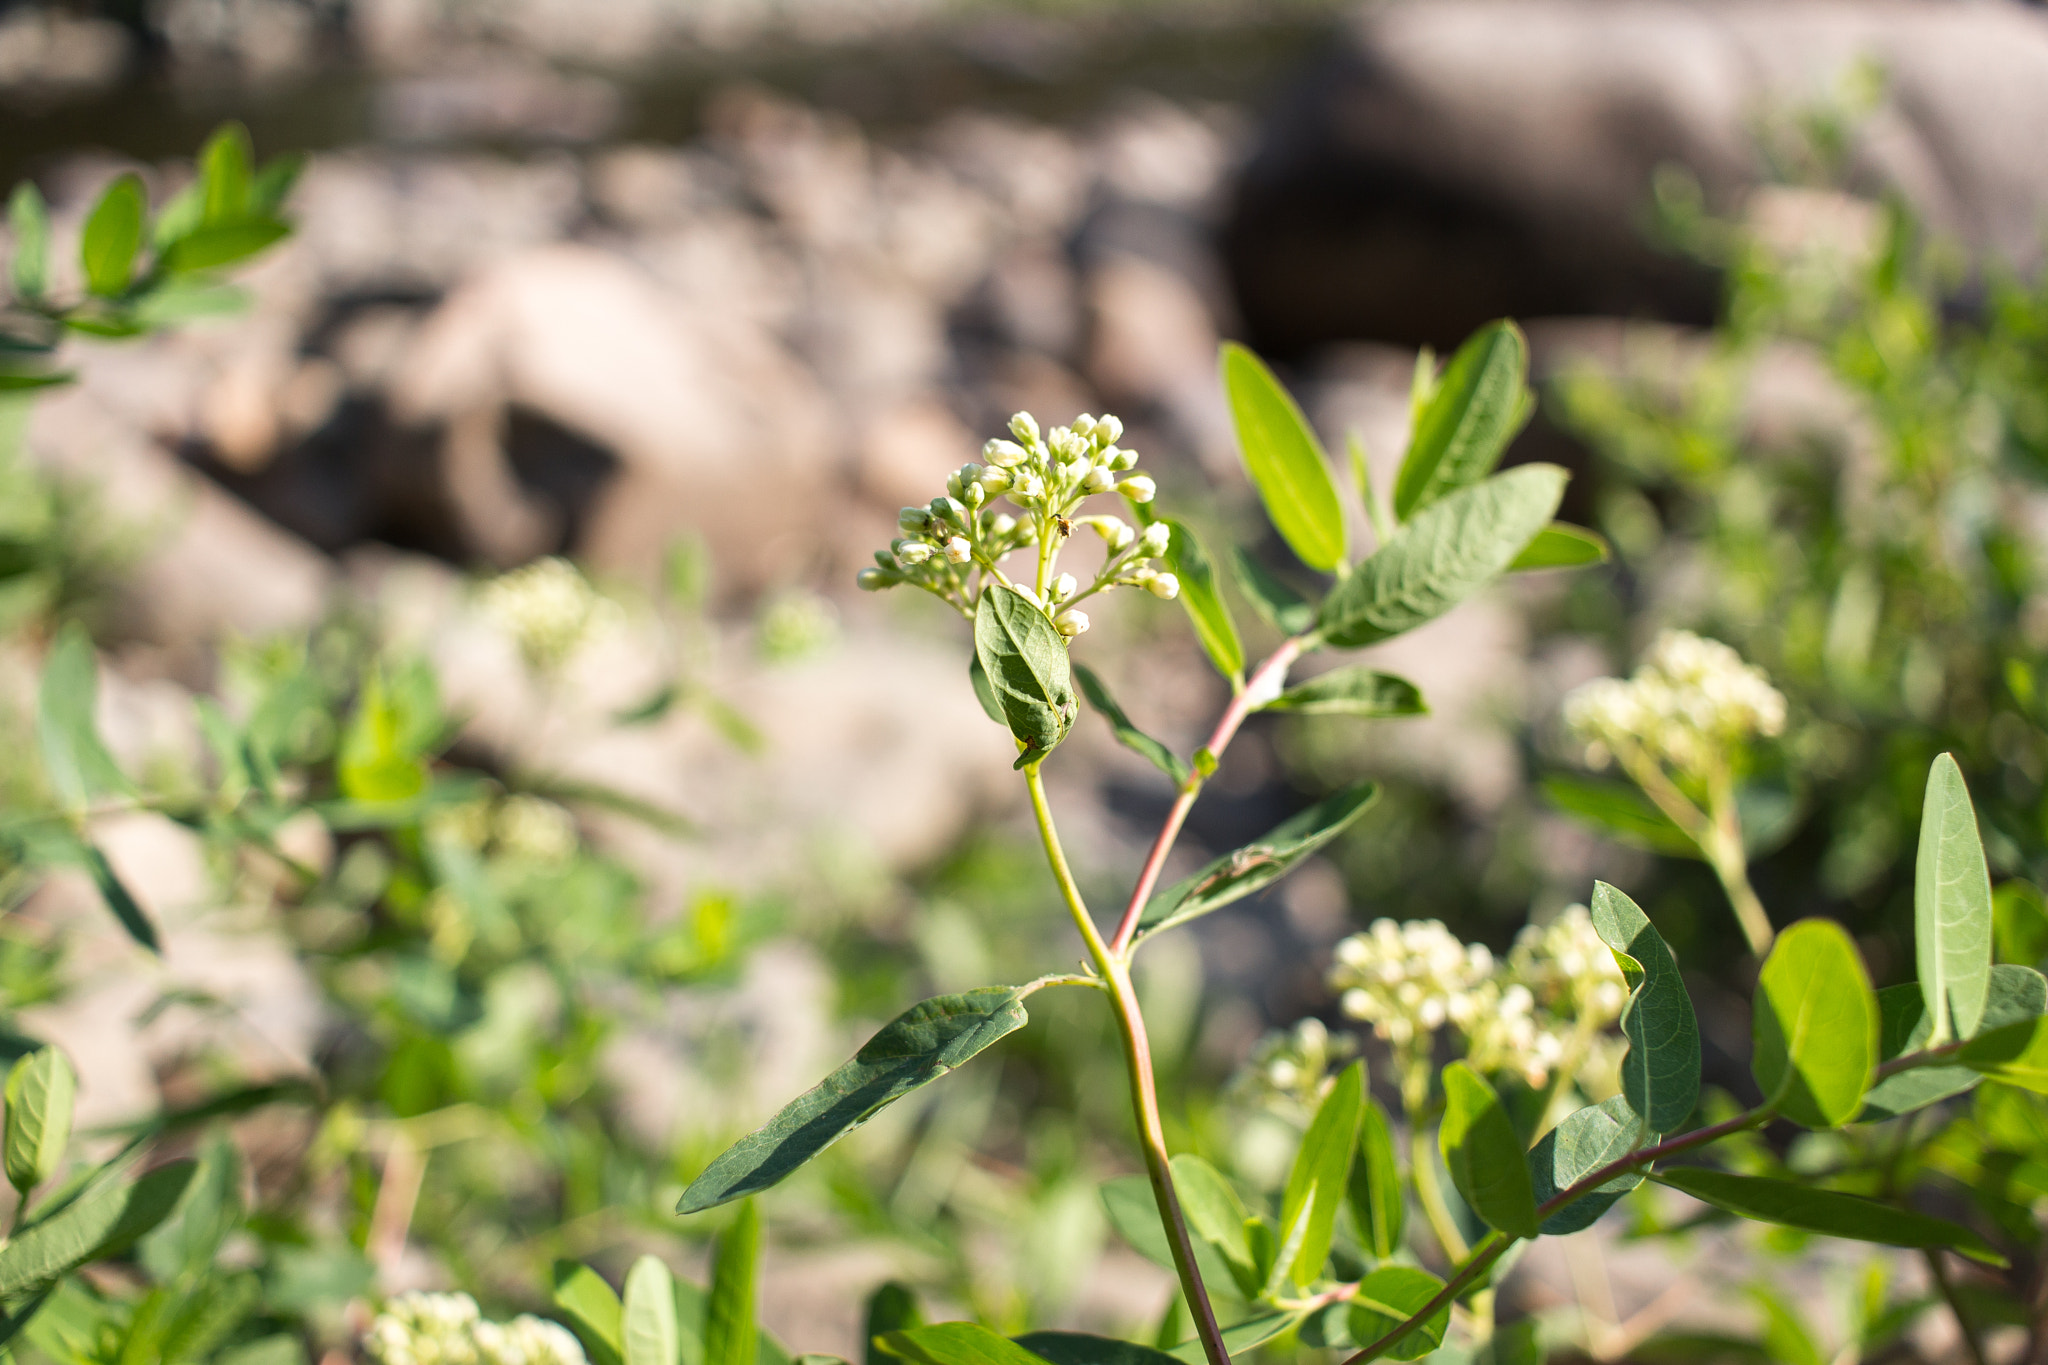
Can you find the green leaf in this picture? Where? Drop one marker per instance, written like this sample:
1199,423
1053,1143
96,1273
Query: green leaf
1025,660
1199,594
381,757
224,170
175,302
1317,1183
1352,691
1560,545
1587,1140
273,184
1079,1348
119,899
892,1308
76,760
213,245
592,1310
1217,1216
30,221
113,234
956,1343
916,1048
1484,1155
1390,1296
1448,552
1377,1199
1474,411
1243,1336
648,1333
208,1318
977,678
180,214
1134,1213
40,1091
2019,923
186,1244
1129,735
1619,810
1257,865
1816,1026
1284,609
1951,906
106,1218
2016,1054
1785,1338
730,1336
1660,1075
1285,461
2017,994
22,382
1829,1212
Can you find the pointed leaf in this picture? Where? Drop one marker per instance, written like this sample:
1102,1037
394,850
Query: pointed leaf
1560,545
1484,1155
1320,1177
1587,1140
916,1048
1951,906
213,245
1243,1336
1619,810
113,234
1830,1212
1129,735
1079,1348
892,1308
1377,1199
977,678
1216,1215
1468,420
647,1323
40,1091
273,184
1134,1213
224,169
1448,552
2017,994
1285,461
1025,661
730,1336
1660,1075
119,899
30,220
956,1343
1203,600
1390,1296
2016,1054
105,1219
593,1312
1816,1031
1257,865
1284,609
1353,691
76,760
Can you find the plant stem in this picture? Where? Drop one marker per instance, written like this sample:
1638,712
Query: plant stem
1422,1170
1488,1252
1263,681
1144,1089
1730,861
1939,1272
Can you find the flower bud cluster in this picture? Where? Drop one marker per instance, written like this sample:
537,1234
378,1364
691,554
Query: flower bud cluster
1294,1067
550,610
1044,477
448,1329
1689,704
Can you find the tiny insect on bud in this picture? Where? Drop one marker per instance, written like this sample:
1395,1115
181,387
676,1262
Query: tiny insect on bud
914,552
958,550
1065,586
912,520
1163,586
1108,430
1138,488
1157,535
1004,454
1071,622
1024,427
1098,480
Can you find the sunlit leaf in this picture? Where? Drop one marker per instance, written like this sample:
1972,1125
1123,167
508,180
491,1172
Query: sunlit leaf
40,1092
1469,417
1560,545
1483,1154
112,236
1285,461
647,1332
1619,810
1815,1034
2017,994
956,1343
74,757
730,1337
1388,1297
104,1219
30,220
224,169
1203,599
1217,1216
1317,1183
1951,906
592,1310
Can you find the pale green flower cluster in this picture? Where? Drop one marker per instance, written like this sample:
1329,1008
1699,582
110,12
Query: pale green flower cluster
550,609
1688,703
1045,478
1540,1012
1294,1066
448,1329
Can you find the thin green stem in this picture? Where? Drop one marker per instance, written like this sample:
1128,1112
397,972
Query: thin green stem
1717,833
1422,1170
1130,1019
1939,1271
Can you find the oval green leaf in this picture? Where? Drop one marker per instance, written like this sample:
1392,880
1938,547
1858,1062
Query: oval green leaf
1378,1201
730,1337
1951,906
1352,691
956,1343
1216,1215
1025,661
1660,1075
113,234
1285,461
1816,1026
224,169
1318,1181
1452,549
74,757
2016,1054
1587,1140
105,1219
40,1091
892,1308
1484,1155
1824,1211
1079,1348
913,1050
2017,995
1203,600
1468,419
592,1310
1388,1297
213,245
648,1330
1560,545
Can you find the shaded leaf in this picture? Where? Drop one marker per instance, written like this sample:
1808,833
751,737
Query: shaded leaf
119,899
730,1336
1587,1140
1243,1336
1660,1075
1285,461
1352,691
1284,609
1217,1216
1824,1211
648,1334
1620,810
1079,1348
30,220
76,760
592,1310
106,1218
1257,865
977,678
1951,906
1449,551
273,184
2019,923
1378,1201
1561,545
892,1308
1390,1296
1317,1183
216,244
113,234
20,382
40,1091
1474,410
1025,661
2016,1054
1483,1153
1129,735
2016,994
1816,1026
916,1048
1203,600
956,1343
1134,1213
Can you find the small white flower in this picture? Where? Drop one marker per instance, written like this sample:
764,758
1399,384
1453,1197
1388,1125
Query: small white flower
1156,538
1164,586
1690,701
914,552
549,608
1098,480
1065,586
1004,454
1071,622
1024,427
1108,430
1138,488
958,550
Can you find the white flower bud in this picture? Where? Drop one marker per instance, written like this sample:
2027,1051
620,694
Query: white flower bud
1121,460
911,520
1004,454
1163,586
1071,622
1098,480
1026,488
1084,425
1108,430
1115,531
914,552
976,495
995,479
1062,442
1156,537
1065,586
969,472
958,550
1074,471
1138,488
1003,524
1024,427
955,488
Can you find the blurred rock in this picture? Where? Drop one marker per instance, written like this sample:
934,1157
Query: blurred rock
495,99
46,54
1460,160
